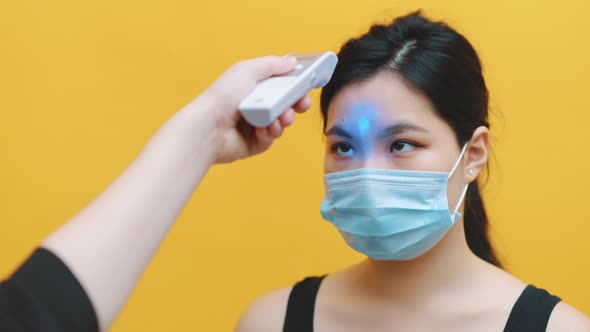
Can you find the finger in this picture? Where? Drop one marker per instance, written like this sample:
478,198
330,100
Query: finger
263,139
275,130
287,118
265,67
302,105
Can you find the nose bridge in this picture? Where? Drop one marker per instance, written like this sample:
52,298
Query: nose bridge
374,159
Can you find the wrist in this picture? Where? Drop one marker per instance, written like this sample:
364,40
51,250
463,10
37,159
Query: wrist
196,125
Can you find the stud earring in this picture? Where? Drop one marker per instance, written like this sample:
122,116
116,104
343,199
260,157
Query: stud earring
470,172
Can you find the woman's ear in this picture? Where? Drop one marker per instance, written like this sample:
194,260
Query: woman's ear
476,155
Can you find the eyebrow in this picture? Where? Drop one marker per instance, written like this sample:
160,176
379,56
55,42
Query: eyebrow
389,131
401,127
338,131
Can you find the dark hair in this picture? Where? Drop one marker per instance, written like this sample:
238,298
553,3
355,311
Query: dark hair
442,65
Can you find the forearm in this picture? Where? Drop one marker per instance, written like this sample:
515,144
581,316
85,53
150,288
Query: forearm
109,243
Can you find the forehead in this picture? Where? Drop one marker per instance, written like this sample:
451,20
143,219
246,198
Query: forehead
383,99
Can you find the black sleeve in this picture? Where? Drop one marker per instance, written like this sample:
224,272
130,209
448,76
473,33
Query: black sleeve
44,296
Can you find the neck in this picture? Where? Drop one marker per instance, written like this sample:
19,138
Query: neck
448,267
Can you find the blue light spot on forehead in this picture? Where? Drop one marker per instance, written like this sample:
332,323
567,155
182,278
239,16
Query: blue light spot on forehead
363,118
364,124
362,121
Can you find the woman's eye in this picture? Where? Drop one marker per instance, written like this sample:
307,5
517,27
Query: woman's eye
401,147
343,149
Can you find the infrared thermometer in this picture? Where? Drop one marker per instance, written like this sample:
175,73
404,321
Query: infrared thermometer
275,95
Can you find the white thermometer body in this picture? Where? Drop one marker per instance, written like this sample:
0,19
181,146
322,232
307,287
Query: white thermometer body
273,96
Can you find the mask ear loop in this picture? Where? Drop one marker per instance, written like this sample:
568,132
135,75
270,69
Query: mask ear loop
458,161
461,199
451,174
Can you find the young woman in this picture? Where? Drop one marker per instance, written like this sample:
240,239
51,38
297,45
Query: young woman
406,123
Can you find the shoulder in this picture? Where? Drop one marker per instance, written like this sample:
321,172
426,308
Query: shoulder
566,318
267,313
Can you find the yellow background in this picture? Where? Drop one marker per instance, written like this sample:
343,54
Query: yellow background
84,84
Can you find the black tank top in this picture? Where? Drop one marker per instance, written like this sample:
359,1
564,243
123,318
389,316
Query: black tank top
530,313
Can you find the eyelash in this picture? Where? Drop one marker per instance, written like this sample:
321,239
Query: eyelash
403,141
337,145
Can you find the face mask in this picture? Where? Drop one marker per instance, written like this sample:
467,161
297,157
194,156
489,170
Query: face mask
390,214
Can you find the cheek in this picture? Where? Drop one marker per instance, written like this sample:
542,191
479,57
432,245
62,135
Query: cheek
428,160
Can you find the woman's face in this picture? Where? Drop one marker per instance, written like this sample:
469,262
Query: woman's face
383,123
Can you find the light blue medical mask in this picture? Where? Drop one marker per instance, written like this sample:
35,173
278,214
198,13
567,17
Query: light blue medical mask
390,214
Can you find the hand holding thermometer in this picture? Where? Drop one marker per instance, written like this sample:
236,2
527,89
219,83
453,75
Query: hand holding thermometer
277,94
